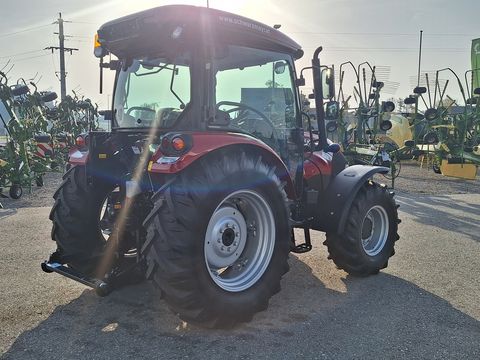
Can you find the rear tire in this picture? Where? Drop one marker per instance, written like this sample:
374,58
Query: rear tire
370,233
75,216
197,277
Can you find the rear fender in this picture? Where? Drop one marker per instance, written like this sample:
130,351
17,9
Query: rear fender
207,143
335,202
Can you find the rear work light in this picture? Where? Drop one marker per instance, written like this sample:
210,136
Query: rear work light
98,49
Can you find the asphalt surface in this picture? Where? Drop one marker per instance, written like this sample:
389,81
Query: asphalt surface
425,305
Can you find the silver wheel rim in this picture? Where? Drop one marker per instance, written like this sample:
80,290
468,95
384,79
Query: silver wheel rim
375,228
239,241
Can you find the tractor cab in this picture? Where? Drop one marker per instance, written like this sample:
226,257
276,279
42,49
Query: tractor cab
188,69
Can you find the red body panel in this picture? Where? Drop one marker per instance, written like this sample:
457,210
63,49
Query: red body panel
206,142
317,163
203,143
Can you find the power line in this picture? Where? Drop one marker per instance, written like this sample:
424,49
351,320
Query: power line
19,54
31,57
83,22
24,30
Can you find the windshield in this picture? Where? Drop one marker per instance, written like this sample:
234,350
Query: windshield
255,94
152,92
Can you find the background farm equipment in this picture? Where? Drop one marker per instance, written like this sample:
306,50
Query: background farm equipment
36,134
447,130
363,130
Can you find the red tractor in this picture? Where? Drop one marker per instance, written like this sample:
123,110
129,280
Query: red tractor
207,170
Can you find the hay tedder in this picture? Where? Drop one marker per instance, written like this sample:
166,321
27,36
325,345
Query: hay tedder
447,130
36,135
368,132
206,172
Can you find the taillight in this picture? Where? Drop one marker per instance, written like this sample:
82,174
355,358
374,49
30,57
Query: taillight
178,143
80,141
175,144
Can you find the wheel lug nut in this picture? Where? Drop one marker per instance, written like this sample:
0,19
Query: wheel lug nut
219,241
237,234
222,248
235,243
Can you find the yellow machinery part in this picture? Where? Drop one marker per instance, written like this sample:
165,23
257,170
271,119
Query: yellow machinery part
462,171
400,130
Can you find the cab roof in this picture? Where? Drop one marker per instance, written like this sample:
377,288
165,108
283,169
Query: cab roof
172,26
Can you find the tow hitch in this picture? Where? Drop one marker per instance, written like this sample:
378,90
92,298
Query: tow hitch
101,287
128,272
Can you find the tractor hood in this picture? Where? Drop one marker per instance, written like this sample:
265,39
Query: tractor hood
166,29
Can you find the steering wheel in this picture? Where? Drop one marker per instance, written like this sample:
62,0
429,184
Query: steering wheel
241,109
140,108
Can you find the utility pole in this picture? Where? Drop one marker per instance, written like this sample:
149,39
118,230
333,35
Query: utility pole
62,49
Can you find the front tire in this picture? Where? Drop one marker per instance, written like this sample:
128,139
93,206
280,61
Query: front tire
218,240
370,232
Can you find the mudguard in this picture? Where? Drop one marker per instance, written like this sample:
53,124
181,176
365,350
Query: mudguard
335,202
205,143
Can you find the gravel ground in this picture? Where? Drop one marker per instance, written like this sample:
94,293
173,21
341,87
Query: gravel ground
39,197
416,180
423,306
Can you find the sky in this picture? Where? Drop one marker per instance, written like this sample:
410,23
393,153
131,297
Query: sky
383,32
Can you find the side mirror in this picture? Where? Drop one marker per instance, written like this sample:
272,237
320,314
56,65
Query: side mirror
378,84
328,83
476,91
420,90
311,96
279,67
388,106
410,100
300,81
332,110
372,96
